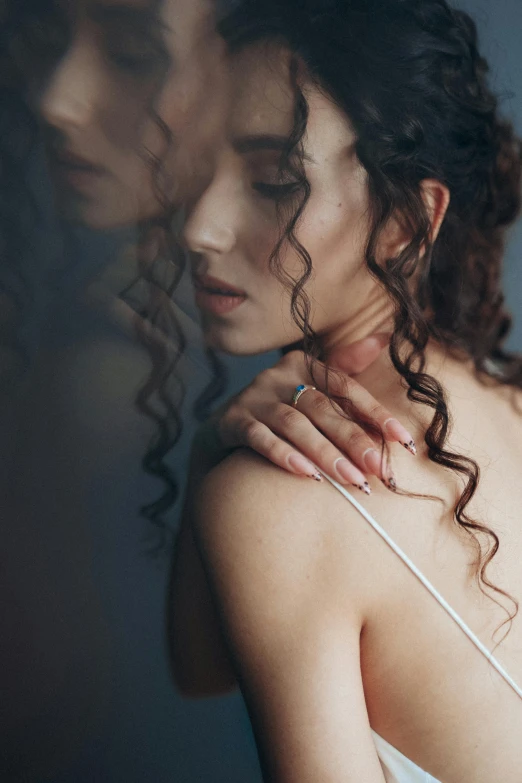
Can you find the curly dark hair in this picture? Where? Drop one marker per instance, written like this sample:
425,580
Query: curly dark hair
409,75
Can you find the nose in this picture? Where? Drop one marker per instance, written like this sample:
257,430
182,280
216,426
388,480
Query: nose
212,222
71,96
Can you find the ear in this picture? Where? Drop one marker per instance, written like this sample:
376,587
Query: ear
436,198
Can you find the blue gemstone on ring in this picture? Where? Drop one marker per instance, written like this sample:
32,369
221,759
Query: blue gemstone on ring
300,388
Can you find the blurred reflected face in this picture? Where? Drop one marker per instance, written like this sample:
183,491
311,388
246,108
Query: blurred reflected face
133,86
232,227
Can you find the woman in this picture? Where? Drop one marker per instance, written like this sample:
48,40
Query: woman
369,128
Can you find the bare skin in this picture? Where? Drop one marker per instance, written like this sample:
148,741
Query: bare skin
262,418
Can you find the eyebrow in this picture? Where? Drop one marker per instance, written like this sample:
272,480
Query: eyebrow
116,13
262,142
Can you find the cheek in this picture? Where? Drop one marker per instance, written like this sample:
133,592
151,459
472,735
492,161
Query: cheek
257,231
334,231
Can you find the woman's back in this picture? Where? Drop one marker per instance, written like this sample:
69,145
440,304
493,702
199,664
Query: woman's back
429,692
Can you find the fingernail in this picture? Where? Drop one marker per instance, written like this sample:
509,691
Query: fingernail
303,467
395,430
364,488
372,461
348,472
390,483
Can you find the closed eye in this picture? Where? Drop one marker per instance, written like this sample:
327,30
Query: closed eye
271,191
133,37
140,61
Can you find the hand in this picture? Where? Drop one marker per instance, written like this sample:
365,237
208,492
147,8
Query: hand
262,418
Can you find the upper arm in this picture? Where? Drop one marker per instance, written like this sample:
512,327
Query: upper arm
293,635
198,654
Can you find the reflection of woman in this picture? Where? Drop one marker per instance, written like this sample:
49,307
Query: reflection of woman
369,128
71,482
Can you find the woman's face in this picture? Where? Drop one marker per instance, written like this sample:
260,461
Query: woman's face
232,228
131,83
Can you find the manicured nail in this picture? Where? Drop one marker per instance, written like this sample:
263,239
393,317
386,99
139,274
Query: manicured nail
390,483
394,429
372,461
411,447
303,467
348,472
364,488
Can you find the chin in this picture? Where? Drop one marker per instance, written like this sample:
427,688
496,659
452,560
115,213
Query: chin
235,342
233,347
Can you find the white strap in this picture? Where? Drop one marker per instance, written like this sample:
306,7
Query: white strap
427,584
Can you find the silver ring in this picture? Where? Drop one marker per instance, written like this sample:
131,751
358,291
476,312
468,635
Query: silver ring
299,391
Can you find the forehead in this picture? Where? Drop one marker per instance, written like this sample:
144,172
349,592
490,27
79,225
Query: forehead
264,99
262,94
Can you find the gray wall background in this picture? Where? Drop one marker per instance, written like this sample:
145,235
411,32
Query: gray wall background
78,567
500,28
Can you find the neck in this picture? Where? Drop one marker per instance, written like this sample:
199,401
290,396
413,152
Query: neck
374,317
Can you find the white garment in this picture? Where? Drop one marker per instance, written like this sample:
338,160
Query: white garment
397,767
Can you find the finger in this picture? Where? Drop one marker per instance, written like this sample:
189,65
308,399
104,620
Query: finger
298,430
276,431
353,359
346,435
356,357
260,438
303,439
359,400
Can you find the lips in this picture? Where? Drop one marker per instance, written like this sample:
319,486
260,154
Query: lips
74,171
74,162
217,296
216,286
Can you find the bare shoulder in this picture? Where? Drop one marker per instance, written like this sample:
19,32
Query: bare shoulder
274,547
256,514
249,483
